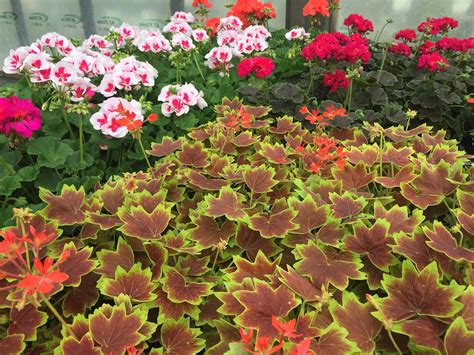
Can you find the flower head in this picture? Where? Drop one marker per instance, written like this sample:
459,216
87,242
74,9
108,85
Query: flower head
204,3
260,66
359,23
44,278
19,116
315,7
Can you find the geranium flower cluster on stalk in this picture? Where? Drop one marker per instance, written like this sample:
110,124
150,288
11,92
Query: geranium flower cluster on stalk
19,116
260,66
435,43
234,41
178,99
252,11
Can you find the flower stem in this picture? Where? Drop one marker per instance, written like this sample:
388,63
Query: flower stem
81,139
27,252
349,97
57,315
139,139
68,125
392,339
384,57
197,66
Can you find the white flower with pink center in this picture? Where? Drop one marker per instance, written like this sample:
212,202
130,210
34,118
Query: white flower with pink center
180,16
230,23
175,28
63,73
81,88
227,37
178,99
200,35
37,62
114,116
107,86
183,41
14,62
296,33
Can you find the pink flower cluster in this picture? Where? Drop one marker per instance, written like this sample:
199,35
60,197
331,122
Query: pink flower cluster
335,80
261,66
358,23
233,41
182,32
18,116
128,74
338,47
434,26
177,99
115,116
407,35
296,34
433,62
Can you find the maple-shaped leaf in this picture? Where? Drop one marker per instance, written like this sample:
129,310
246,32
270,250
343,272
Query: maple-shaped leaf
275,224
259,179
166,147
398,218
368,154
178,338
181,290
229,204
466,201
467,299
354,177
209,232
12,344
284,125
262,304
299,284
417,250
430,187
373,242
258,269
66,208
135,283
334,341
397,156
78,299
204,183
440,239
71,346
112,196
403,175
114,328
418,293
26,321
227,334
77,264
459,340
192,265
244,139
309,215
356,318
347,205
140,224
172,310
109,260
275,154
326,265
424,331
446,153
252,242
399,134
193,154
331,233
158,256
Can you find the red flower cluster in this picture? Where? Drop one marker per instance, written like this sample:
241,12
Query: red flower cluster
339,47
427,47
433,26
19,116
261,66
213,24
315,7
323,118
204,3
336,80
455,44
359,23
401,49
250,11
432,62
407,35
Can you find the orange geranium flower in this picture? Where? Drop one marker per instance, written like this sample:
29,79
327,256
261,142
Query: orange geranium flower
205,3
470,100
314,7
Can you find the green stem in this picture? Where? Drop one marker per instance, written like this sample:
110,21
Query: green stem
384,57
349,97
392,339
310,87
57,315
197,66
68,125
27,252
139,139
81,140
381,31
381,155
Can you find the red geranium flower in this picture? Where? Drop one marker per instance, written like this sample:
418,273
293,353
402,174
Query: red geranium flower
359,23
205,3
433,26
407,35
400,48
336,80
45,281
261,66
212,24
314,7
250,11
432,62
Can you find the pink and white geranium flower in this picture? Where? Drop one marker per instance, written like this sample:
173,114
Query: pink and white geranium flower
178,99
296,33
